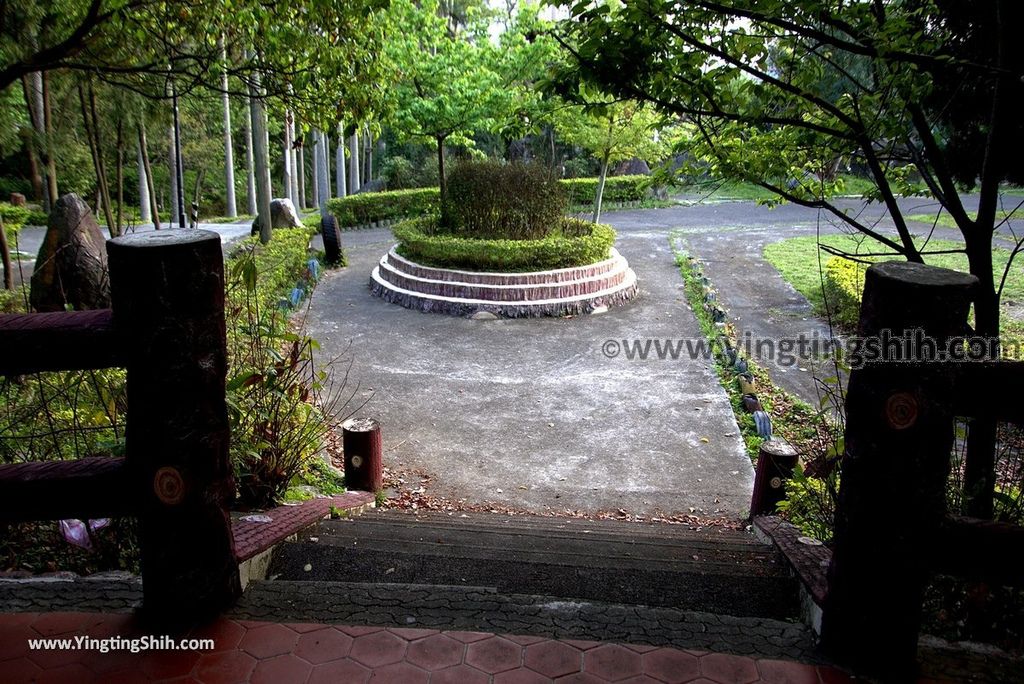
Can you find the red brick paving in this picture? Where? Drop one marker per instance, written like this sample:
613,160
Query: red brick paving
252,538
249,651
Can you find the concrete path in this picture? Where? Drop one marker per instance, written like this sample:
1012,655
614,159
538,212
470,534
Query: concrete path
533,413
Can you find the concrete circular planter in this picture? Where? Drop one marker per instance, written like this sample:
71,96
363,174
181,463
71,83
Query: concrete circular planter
560,292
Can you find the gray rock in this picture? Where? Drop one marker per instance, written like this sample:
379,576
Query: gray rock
633,167
485,316
282,215
371,186
71,268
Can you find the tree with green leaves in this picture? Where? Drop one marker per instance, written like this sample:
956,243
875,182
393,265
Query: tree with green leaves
776,90
447,85
612,132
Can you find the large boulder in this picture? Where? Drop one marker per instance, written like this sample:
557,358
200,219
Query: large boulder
282,215
633,167
71,268
371,186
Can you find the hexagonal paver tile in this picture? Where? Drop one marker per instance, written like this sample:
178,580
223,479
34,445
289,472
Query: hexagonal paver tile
612,662
830,675
21,670
286,668
399,673
267,641
521,677
75,672
337,671
671,666
225,634
494,655
460,674
50,624
225,666
378,649
728,669
553,658
580,678
435,652
785,672
159,665
324,645
468,637
359,630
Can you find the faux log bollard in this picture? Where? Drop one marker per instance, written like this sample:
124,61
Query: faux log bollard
776,460
167,290
899,432
364,463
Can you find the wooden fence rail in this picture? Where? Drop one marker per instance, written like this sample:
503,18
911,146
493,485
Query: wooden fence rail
892,527
166,328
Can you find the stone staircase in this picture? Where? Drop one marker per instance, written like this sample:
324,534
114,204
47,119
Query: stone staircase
652,584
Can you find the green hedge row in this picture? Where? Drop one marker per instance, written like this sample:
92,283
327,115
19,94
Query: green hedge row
367,207
616,189
842,289
577,244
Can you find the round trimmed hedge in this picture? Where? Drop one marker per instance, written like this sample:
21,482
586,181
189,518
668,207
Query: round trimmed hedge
577,243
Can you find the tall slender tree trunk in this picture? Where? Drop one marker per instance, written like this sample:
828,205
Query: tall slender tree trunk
340,177
120,174
314,139
172,172
30,135
599,195
250,171
300,159
261,160
145,210
294,159
442,182
154,208
286,158
353,164
5,257
179,162
323,175
89,120
326,168
367,158
231,204
48,161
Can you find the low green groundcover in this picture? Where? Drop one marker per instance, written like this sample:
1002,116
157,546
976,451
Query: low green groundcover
577,243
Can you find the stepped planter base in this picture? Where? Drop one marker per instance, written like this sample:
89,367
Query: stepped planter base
561,292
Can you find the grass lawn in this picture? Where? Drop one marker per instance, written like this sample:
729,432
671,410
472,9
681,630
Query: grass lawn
797,259
946,221
738,190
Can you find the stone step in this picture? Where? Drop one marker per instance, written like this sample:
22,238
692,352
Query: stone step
505,291
483,609
726,573
460,306
559,275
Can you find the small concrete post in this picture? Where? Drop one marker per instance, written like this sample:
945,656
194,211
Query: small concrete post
167,292
899,432
363,446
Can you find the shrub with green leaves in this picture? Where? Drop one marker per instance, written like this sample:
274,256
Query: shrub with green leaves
489,199
575,243
368,207
842,288
616,189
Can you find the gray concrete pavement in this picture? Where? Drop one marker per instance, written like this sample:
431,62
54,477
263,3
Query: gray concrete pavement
532,413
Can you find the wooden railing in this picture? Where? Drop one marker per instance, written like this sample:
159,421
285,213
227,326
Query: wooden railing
893,529
166,328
